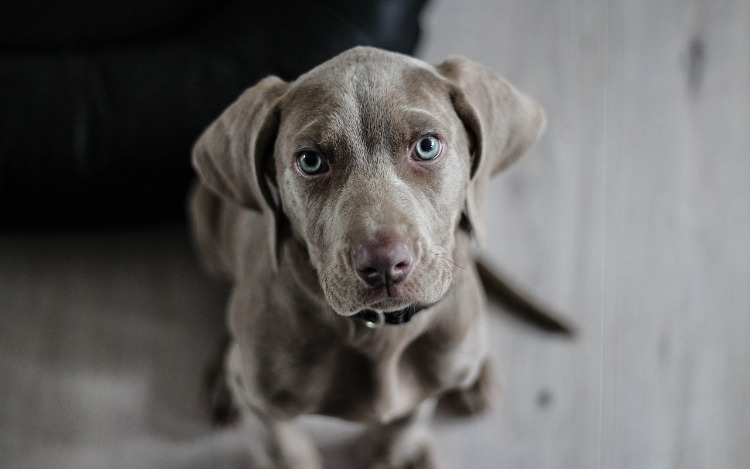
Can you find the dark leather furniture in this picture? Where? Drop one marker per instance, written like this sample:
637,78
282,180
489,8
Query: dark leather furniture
100,101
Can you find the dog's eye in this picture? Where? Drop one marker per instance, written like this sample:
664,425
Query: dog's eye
311,163
427,148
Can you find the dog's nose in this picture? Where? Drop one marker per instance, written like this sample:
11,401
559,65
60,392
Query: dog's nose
383,262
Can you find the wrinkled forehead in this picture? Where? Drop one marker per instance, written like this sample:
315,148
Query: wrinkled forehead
373,100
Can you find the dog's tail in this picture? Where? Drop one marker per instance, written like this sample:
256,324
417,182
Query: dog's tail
518,304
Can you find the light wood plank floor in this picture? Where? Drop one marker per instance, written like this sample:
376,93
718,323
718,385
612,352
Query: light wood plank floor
631,218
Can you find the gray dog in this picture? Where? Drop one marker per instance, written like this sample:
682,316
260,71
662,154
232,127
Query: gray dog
342,207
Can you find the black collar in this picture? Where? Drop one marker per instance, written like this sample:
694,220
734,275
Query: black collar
375,319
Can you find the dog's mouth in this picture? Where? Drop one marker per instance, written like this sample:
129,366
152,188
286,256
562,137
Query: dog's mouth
374,318
380,313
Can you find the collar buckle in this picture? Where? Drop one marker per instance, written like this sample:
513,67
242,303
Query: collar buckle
372,319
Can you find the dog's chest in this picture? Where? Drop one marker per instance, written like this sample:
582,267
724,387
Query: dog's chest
358,382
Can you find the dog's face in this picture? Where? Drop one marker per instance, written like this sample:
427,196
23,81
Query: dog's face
373,158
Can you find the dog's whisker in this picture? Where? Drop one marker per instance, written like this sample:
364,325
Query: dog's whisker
446,254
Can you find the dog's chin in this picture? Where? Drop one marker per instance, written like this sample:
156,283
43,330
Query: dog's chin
381,302
390,305
382,306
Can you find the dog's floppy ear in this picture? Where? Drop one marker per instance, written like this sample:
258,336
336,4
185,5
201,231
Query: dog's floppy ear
234,155
502,124
230,154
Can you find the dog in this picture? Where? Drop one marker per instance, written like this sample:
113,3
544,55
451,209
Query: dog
343,208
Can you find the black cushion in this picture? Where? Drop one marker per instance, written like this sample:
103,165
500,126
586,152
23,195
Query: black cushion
101,101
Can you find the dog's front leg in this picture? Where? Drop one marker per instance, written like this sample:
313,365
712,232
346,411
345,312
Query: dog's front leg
474,400
279,444
405,443
276,443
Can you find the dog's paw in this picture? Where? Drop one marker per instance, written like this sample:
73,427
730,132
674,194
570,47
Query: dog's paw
419,457
424,459
395,447
472,401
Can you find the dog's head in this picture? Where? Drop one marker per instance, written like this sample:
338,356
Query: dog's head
374,160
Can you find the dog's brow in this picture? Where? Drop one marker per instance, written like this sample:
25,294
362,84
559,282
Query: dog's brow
422,115
326,138
310,127
421,121
421,112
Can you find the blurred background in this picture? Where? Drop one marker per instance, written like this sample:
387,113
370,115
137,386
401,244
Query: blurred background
631,218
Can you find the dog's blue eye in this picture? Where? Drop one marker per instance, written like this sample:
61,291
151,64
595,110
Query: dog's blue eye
311,163
427,148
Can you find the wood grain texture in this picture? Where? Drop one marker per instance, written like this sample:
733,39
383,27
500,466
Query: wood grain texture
678,238
631,217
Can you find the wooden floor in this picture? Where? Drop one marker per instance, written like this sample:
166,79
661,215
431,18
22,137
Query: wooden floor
631,218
